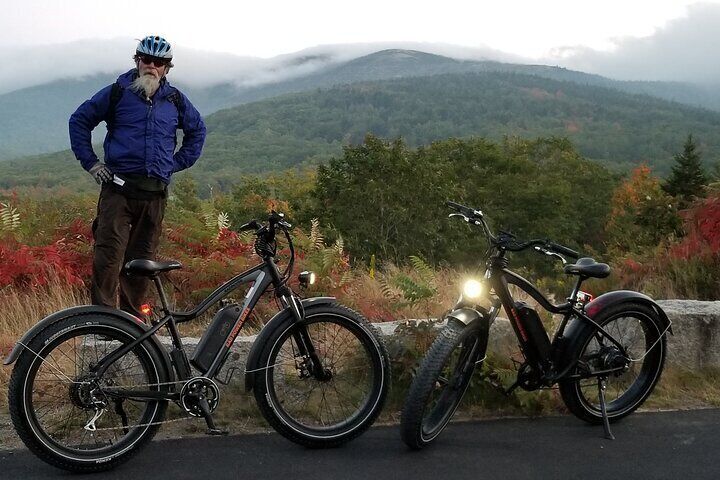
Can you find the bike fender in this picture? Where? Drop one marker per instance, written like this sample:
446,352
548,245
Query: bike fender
470,316
277,321
85,310
464,315
566,343
606,300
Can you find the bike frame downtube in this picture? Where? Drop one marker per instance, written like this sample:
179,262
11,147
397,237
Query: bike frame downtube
500,285
265,269
262,279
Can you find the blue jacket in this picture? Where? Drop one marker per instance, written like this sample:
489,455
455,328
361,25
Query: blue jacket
142,140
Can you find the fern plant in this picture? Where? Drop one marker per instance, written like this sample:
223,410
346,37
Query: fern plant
316,237
411,289
9,218
223,221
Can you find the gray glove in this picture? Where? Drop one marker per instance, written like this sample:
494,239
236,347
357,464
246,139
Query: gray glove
101,173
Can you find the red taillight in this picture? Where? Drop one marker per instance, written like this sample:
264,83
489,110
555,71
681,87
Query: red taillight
584,297
146,309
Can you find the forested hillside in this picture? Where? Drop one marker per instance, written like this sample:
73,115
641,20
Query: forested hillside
34,120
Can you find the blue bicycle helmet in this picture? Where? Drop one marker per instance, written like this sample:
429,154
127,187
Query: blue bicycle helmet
155,46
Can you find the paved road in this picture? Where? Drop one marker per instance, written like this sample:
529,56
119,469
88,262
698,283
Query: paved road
670,445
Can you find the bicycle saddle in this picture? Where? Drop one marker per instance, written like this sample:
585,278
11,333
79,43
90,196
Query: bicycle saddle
588,267
149,267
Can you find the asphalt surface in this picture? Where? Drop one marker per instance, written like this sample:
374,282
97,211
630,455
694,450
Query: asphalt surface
667,445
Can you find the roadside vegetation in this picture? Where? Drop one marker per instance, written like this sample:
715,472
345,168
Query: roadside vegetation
372,224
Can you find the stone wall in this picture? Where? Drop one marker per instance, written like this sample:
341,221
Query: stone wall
696,340
694,345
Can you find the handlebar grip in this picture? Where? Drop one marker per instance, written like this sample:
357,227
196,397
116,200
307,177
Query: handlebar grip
563,250
467,211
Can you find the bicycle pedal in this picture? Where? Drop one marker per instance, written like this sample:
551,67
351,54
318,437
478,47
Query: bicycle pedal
216,432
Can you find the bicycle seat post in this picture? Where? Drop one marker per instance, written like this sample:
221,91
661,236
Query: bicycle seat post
161,292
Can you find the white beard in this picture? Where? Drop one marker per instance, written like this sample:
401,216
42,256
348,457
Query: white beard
147,84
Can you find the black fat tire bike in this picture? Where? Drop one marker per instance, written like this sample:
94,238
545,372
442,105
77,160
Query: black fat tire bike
606,356
91,384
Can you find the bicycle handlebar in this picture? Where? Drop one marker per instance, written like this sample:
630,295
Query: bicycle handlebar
563,250
266,238
508,241
465,211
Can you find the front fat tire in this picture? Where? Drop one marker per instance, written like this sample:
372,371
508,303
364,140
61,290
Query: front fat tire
650,372
412,423
313,436
20,388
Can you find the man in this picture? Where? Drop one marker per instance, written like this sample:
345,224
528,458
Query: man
142,112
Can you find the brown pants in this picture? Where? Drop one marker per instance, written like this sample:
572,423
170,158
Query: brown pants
124,229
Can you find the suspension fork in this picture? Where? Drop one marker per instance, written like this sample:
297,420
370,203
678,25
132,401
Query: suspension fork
302,337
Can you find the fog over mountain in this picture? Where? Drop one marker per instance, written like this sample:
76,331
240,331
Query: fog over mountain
682,50
32,66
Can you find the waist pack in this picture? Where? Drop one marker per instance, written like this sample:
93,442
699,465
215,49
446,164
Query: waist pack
139,187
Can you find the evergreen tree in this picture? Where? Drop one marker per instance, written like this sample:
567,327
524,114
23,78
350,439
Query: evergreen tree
688,178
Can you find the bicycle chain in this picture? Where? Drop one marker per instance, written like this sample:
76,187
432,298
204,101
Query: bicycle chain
176,382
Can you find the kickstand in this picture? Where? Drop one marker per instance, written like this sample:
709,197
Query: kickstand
601,394
205,411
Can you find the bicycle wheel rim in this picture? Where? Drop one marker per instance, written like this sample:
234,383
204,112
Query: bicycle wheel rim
453,380
626,391
326,409
55,379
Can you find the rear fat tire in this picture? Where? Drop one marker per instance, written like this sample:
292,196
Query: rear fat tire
413,420
379,367
648,376
21,386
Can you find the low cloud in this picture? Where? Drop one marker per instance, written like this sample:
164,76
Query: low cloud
685,49
36,65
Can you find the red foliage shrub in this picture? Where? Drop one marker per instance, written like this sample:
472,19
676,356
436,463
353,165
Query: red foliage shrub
702,227
22,266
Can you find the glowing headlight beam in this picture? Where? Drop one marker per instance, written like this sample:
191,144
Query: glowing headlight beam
472,289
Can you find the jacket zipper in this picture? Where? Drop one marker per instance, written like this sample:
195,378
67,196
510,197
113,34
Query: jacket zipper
147,123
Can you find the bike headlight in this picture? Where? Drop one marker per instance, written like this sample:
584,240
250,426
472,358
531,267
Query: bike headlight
472,289
306,278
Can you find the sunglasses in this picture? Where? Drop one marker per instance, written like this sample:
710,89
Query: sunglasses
158,62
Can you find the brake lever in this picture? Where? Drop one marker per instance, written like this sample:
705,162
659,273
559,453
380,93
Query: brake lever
466,218
551,254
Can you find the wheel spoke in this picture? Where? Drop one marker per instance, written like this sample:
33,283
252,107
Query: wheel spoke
634,331
325,404
61,409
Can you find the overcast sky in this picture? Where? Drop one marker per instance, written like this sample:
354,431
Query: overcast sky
643,39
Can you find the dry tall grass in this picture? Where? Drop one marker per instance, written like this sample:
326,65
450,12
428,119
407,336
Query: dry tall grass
21,309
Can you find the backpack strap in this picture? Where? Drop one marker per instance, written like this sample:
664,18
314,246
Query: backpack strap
116,93
177,99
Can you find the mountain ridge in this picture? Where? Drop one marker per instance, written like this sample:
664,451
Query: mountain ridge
34,120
